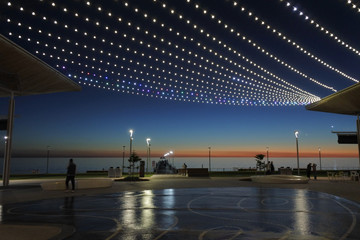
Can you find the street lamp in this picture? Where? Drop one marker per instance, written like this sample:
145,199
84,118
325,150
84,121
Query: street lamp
267,154
320,157
131,139
47,159
209,159
123,159
5,139
171,153
148,154
297,150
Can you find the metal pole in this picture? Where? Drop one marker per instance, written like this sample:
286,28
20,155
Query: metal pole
297,156
267,155
149,155
209,159
7,154
320,157
147,158
123,160
358,135
131,163
47,160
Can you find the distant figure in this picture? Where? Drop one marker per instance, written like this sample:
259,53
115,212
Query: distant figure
70,175
308,170
314,170
184,167
268,168
272,168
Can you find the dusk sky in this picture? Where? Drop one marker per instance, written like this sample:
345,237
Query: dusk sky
231,75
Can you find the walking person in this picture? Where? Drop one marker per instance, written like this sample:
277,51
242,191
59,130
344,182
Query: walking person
185,168
314,170
308,170
70,175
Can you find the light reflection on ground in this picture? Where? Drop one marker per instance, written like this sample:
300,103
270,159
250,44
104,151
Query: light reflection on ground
203,213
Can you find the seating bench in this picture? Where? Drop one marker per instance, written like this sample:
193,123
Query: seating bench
197,172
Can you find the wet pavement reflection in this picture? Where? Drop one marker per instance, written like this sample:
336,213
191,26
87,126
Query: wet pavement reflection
204,214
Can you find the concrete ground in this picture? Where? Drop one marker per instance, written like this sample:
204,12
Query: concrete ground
175,207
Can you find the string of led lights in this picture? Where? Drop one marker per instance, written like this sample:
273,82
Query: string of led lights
321,28
242,37
199,45
262,50
353,5
293,43
127,49
143,59
229,49
100,62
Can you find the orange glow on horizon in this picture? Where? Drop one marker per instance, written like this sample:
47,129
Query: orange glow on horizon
188,153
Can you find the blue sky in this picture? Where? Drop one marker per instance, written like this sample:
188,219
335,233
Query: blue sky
156,54
78,123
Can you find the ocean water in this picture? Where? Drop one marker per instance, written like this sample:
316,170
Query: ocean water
58,165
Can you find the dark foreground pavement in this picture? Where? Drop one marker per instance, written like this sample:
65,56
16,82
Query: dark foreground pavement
178,208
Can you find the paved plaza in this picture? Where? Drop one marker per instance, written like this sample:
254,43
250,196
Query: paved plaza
191,209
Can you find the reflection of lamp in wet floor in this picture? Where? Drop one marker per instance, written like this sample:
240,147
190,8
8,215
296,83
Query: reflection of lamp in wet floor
297,150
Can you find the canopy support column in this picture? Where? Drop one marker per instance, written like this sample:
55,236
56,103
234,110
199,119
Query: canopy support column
358,135
8,141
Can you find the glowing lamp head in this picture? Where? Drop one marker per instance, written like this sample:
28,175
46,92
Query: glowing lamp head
131,132
296,134
171,152
148,141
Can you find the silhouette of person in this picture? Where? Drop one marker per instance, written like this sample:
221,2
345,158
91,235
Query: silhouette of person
272,168
314,170
70,175
308,170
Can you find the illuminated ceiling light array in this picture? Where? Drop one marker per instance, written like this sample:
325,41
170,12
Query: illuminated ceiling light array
265,52
294,44
216,54
186,69
107,84
321,28
102,69
194,63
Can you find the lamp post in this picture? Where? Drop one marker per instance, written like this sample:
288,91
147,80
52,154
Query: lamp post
5,140
123,160
209,159
267,155
320,157
171,153
297,150
131,139
47,159
148,154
